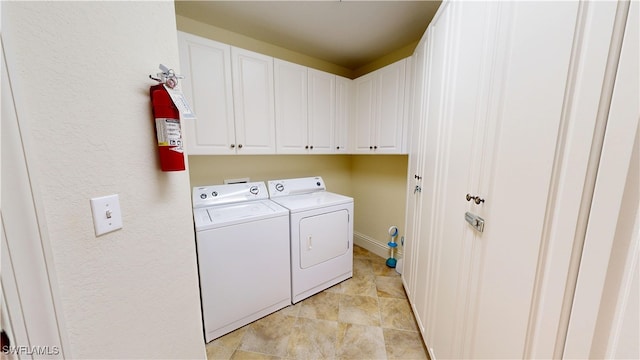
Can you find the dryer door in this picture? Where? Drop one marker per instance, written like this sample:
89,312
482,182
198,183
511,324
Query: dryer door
323,237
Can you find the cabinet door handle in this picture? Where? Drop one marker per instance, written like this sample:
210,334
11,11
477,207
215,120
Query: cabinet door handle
239,146
233,146
311,147
306,147
338,147
375,147
370,147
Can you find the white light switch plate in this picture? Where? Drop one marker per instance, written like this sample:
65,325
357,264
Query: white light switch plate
107,216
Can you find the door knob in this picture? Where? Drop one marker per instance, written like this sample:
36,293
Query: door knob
475,199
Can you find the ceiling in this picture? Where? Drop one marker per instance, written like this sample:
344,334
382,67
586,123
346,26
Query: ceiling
350,34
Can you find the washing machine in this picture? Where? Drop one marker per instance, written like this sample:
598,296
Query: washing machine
243,250
321,234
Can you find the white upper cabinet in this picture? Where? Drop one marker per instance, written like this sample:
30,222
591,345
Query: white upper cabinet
322,111
250,103
206,66
343,115
253,100
379,110
305,109
291,108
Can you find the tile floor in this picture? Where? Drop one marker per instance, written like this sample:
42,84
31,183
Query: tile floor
365,317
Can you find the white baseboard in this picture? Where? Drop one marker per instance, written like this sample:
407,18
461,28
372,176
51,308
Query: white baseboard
377,247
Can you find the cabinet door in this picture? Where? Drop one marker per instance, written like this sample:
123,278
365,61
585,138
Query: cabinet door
291,108
322,111
524,123
253,100
343,115
206,66
364,113
414,168
389,121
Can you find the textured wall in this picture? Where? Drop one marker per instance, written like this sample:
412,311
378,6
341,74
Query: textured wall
79,71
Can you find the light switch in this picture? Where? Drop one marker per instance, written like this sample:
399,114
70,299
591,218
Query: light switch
106,214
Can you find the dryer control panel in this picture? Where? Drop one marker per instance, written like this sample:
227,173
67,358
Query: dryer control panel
204,196
287,187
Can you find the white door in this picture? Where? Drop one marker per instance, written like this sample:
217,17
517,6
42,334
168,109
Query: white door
206,66
28,274
322,111
525,106
291,108
253,98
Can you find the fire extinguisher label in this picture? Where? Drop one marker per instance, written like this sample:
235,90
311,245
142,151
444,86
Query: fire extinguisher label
168,131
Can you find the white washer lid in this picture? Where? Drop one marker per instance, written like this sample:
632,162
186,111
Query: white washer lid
314,200
230,214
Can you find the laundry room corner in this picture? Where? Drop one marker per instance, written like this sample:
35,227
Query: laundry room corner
379,192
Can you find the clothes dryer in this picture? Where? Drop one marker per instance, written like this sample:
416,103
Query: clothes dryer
321,234
243,250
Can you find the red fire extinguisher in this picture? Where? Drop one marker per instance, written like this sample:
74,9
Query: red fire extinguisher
168,129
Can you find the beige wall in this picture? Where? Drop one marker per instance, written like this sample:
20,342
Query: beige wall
334,169
376,182
379,189
79,75
215,33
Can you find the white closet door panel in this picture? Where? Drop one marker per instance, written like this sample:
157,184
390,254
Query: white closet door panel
465,95
322,111
253,97
517,173
425,251
604,316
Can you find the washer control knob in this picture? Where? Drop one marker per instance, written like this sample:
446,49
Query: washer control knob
318,183
279,187
203,196
214,194
254,190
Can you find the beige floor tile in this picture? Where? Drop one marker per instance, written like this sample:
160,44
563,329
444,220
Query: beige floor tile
248,355
216,352
396,314
380,268
360,285
362,310
362,267
360,342
404,345
313,339
323,305
231,340
390,286
269,335
365,317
